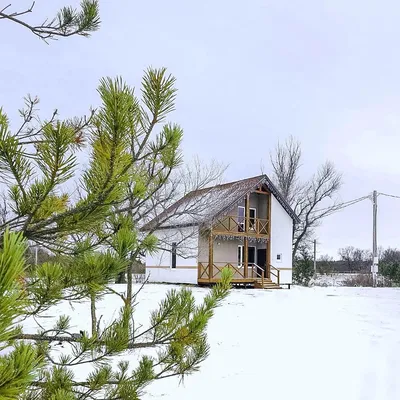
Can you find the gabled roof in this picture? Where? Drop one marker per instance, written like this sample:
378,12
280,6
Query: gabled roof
202,206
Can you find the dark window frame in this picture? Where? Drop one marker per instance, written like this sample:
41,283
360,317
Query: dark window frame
252,219
173,254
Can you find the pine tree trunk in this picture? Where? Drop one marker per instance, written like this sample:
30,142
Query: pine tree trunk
129,271
93,314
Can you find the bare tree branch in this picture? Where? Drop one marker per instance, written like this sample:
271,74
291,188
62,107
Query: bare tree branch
305,198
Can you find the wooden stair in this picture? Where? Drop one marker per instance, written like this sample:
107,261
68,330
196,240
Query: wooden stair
268,284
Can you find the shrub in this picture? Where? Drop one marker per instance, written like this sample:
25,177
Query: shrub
303,269
390,270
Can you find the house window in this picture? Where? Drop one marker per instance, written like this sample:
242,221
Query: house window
252,219
240,255
241,218
279,257
173,255
251,255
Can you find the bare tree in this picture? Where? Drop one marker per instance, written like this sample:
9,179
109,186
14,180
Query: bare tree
355,259
286,163
189,178
324,185
346,254
308,199
67,22
192,178
158,207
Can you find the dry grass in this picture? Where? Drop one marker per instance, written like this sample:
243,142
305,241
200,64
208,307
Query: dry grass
365,280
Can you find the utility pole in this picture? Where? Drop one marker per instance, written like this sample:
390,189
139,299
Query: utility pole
315,256
374,267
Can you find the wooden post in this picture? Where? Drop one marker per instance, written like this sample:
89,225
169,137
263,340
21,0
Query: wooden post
210,256
269,201
246,240
245,256
198,271
262,279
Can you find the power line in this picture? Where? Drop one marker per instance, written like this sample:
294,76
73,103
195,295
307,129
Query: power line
389,195
343,205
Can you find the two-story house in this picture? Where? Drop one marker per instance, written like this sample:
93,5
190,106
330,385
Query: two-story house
246,226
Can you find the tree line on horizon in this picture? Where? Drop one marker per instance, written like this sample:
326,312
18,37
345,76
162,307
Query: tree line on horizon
351,260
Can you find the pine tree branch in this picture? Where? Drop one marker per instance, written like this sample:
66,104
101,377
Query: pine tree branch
32,132
67,23
28,114
72,339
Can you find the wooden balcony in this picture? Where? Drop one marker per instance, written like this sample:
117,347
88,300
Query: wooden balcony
240,226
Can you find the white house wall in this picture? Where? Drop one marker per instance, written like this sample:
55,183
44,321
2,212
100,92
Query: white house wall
281,240
172,275
158,265
225,251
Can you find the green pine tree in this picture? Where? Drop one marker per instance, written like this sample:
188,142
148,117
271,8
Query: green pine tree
91,244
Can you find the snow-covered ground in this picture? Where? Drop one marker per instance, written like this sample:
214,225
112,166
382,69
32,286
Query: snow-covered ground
305,343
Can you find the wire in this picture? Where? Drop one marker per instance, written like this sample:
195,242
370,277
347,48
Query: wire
340,206
389,195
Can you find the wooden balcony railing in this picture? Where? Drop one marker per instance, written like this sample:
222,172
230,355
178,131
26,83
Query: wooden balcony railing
237,225
253,271
204,270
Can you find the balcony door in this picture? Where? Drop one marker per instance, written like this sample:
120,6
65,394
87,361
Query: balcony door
262,261
242,219
251,255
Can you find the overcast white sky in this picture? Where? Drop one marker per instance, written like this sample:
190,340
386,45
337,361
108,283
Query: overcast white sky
249,73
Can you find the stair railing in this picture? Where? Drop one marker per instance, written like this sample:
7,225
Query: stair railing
277,274
262,273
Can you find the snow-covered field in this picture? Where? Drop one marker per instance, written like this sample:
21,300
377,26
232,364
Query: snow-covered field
304,343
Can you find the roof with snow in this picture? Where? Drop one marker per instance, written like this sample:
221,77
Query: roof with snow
203,205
